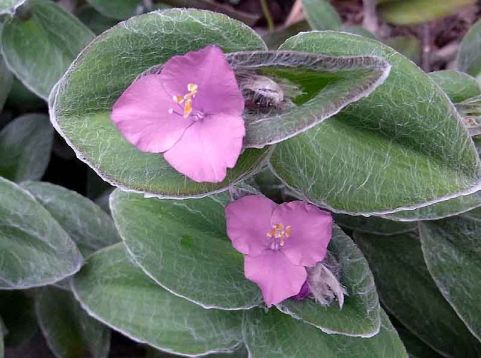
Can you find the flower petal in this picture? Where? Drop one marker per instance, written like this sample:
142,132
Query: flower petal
208,148
218,91
142,116
276,276
311,231
248,220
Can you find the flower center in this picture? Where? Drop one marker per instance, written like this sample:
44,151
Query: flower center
278,235
186,100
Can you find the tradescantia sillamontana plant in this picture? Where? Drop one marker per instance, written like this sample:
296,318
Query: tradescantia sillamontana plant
266,202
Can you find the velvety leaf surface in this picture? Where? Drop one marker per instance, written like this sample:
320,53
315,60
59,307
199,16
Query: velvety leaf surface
117,9
272,334
457,85
443,209
87,224
360,315
374,225
452,250
9,6
34,249
321,15
39,45
81,112
183,246
407,290
406,135
411,12
469,53
25,145
69,331
325,85
18,315
119,294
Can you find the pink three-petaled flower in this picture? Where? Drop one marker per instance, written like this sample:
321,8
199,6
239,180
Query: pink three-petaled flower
191,111
278,241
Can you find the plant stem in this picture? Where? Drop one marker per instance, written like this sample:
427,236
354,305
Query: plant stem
267,15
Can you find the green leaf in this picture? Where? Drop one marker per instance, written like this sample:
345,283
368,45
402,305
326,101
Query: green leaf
117,9
18,315
34,249
273,334
469,53
87,224
457,85
397,137
321,15
411,12
69,331
360,315
374,225
452,250
25,145
81,112
39,44
120,295
407,291
183,246
9,6
443,209
326,85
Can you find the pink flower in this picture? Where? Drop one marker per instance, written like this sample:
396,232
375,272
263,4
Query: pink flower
278,241
191,111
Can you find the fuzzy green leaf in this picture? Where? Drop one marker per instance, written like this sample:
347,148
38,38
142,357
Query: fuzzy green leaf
81,111
407,291
406,135
69,331
452,250
360,315
87,224
183,246
120,295
25,145
272,334
40,43
34,249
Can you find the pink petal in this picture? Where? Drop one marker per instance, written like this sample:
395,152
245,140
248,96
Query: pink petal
276,276
142,116
248,220
218,90
311,231
208,148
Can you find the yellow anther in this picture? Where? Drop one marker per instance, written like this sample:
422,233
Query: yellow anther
192,88
280,232
187,108
186,100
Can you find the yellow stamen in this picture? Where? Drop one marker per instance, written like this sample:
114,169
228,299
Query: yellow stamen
187,108
280,232
186,100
